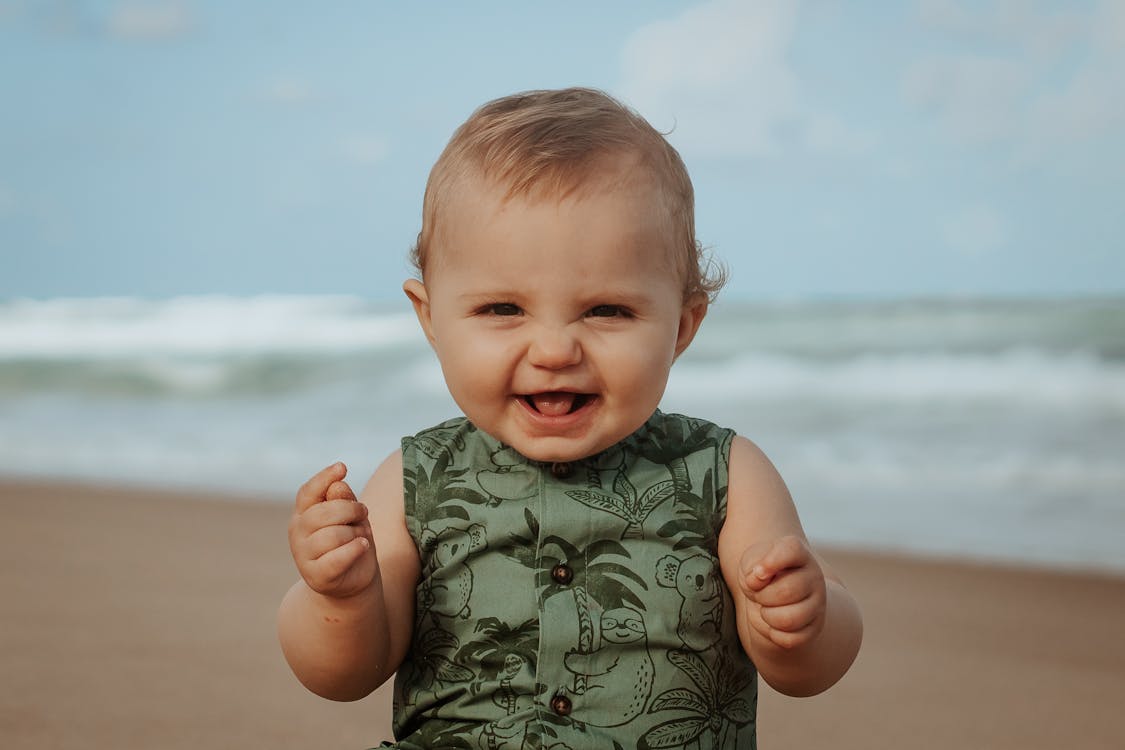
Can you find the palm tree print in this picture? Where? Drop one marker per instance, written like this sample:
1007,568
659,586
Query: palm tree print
597,576
502,652
587,541
625,504
435,492
440,733
668,442
603,579
594,578
431,663
694,524
715,706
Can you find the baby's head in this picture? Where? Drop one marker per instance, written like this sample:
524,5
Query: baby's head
560,273
551,145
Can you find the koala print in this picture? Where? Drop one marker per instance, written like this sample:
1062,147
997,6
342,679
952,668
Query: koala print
449,594
701,612
511,479
619,674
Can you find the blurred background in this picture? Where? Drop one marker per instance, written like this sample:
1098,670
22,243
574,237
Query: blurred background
206,207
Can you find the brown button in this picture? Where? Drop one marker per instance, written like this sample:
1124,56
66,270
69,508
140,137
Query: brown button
562,469
560,704
562,573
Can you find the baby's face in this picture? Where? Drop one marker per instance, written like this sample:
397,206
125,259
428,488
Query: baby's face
555,322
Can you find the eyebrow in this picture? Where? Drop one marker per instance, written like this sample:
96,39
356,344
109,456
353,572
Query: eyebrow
494,295
633,296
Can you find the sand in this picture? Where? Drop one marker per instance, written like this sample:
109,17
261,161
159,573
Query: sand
133,618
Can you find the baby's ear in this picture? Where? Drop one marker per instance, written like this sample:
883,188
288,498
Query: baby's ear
420,298
691,316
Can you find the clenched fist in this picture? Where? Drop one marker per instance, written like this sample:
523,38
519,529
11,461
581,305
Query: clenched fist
786,590
330,536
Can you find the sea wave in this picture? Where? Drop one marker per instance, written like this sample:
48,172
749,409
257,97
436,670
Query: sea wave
979,427
114,328
1009,379
226,325
1013,377
1057,354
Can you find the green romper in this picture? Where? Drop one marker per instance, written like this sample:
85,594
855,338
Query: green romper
576,605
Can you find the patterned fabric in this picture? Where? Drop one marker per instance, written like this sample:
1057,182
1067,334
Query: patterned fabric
570,606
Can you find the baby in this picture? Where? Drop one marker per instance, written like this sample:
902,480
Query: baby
564,566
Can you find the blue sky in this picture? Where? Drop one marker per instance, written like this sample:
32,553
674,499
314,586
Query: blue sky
838,148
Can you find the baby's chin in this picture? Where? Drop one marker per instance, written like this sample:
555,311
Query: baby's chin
549,455
559,450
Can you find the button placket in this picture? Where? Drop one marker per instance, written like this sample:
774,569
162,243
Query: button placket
555,621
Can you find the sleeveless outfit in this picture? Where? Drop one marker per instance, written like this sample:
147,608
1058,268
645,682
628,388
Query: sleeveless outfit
571,606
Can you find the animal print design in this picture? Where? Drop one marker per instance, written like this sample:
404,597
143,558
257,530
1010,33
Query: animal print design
697,580
572,608
446,588
618,679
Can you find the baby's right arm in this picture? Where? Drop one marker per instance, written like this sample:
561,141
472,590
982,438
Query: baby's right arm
346,625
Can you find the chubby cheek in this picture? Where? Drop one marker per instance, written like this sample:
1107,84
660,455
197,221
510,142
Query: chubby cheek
478,375
641,369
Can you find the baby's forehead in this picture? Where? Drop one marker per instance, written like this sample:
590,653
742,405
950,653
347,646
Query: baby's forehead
480,202
470,200
475,193
618,171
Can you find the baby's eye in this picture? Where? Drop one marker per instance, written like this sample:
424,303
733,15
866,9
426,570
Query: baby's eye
502,309
608,311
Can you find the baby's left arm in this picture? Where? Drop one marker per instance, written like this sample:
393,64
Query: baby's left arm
796,621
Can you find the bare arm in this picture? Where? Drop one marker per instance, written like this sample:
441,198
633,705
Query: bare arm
796,620
345,626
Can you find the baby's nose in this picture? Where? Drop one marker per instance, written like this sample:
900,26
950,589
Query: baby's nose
554,348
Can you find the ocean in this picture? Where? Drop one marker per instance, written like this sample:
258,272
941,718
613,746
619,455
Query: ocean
986,429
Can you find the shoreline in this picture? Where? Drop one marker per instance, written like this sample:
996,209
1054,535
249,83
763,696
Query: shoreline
138,617
207,494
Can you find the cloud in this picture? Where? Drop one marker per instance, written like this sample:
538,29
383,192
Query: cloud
976,230
150,20
1012,22
973,98
717,73
1038,82
1089,104
133,20
718,76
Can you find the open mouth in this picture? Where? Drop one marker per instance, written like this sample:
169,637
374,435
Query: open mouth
557,403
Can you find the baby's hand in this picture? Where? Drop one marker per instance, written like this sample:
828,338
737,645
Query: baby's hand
786,591
330,536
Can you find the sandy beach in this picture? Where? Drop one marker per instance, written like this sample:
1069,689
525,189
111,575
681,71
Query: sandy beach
133,618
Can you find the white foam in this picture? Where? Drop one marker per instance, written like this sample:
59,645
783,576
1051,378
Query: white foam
1072,380
197,326
986,432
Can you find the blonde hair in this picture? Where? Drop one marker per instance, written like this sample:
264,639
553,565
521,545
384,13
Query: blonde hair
556,143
